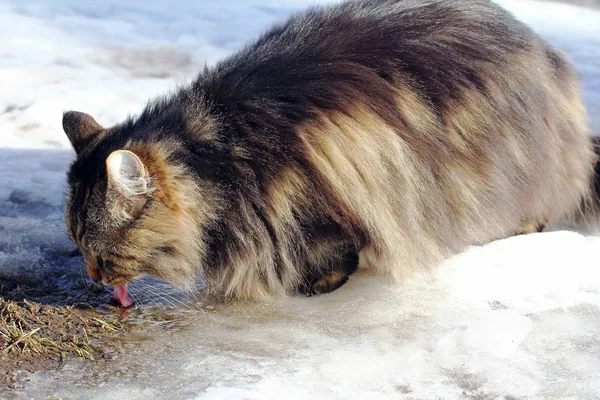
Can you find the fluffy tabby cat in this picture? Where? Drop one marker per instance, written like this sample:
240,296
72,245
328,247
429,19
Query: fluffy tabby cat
401,129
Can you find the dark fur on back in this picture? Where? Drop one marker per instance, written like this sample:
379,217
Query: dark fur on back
403,129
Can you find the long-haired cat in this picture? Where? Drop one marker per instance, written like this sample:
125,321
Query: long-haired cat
403,130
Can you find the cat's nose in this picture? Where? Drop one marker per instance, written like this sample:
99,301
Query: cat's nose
94,273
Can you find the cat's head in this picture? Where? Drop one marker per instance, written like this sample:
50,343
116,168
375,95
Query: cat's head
131,208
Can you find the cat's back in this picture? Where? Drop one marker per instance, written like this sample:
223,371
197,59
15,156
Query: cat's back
435,124
357,46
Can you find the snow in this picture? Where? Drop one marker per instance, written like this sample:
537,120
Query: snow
575,31
488,324
108,58
517,318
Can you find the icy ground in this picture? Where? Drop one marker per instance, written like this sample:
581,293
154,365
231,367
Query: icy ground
516,319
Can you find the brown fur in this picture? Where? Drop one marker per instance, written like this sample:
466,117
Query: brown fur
402,129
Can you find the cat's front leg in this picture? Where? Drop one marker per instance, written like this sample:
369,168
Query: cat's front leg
331,273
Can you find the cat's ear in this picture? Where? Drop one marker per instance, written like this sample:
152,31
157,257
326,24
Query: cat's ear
80,128
128,182
127,173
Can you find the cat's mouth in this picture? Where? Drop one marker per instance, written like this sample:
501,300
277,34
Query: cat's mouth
121,296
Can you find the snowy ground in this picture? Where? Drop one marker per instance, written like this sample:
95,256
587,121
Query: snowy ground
516,319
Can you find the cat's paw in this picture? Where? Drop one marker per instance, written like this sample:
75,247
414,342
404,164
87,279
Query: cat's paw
325,284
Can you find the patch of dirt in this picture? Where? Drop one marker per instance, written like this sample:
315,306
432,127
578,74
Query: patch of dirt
44,323
53,313
36,336
161,62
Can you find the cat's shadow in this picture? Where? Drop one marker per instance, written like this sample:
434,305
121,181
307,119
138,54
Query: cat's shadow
58,280
61,280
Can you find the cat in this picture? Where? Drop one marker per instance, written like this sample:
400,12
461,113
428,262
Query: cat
394,131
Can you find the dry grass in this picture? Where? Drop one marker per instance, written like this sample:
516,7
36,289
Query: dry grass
35,336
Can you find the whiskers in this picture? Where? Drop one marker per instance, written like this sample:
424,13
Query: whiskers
149,292
135,299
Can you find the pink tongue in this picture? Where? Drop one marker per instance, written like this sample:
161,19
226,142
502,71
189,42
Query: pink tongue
121,295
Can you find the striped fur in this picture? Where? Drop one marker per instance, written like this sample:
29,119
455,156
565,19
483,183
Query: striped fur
401,129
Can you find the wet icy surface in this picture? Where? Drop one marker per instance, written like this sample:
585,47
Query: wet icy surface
518,318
